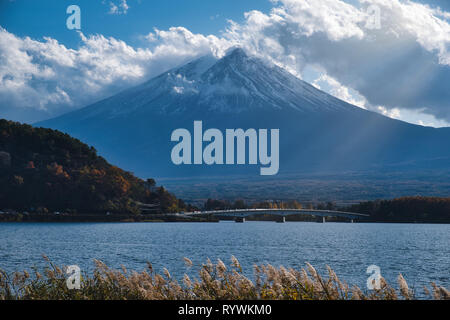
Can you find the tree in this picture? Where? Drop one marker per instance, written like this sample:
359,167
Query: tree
239,204
151,182
52,170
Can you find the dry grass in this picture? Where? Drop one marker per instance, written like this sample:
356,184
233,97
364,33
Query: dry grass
214,282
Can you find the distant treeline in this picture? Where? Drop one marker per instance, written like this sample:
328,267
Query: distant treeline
43,170
407,209
212,204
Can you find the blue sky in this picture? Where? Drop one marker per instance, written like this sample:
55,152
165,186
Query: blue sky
47,17
37,19
400,69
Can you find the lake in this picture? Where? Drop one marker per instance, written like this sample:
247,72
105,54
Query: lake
421,252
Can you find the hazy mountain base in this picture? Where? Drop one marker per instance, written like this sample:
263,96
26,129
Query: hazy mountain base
344,188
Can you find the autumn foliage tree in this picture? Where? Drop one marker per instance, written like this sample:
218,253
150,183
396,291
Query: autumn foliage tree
48,169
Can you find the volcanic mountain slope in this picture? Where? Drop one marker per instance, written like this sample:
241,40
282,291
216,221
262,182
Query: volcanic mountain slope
318,132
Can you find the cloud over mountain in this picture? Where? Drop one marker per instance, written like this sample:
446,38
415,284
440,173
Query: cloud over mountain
404,65
51,78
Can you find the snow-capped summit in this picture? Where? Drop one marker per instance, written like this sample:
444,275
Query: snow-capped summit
317,131
235,83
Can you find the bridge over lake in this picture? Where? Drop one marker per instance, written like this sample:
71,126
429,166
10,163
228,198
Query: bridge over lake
241,214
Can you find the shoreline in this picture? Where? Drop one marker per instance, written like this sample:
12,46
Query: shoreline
167,218
102,218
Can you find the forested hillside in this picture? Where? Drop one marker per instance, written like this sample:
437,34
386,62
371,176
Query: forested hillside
44,170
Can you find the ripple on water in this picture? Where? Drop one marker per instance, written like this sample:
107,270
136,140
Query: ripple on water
420,252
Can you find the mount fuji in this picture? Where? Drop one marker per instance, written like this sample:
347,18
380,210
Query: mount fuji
318,132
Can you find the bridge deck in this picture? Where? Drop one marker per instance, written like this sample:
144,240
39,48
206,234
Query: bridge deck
279,212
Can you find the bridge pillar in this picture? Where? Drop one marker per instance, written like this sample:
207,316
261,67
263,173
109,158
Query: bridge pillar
323,219
281,219
239,219
351,221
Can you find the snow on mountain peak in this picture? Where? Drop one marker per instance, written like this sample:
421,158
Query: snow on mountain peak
234,83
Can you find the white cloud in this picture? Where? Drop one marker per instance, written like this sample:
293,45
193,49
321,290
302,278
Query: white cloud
413,116
391,113
424,23
339,91
47,76
120,7
404,65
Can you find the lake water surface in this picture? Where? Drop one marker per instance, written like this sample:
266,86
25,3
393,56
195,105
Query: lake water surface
420,252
